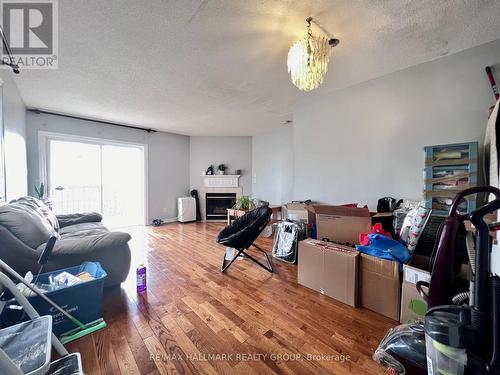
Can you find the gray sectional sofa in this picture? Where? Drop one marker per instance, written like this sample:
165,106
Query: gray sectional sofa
27,223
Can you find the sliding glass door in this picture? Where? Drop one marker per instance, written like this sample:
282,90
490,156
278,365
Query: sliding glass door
123,184
100,177
75,177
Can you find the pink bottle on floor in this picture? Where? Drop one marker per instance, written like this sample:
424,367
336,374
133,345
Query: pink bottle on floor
141,278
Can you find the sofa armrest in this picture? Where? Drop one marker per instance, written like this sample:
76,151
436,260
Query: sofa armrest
72,219
16,253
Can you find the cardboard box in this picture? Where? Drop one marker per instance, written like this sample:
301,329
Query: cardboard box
330,269
296,211
339,223
413,306
380,285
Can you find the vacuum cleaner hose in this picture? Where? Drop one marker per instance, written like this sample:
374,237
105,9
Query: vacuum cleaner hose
461,298
471,249
495,357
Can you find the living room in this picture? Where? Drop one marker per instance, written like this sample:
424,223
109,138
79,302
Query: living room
250,187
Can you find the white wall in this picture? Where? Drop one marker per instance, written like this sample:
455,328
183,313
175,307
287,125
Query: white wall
235,152
168,157
14,118
272,165
365,142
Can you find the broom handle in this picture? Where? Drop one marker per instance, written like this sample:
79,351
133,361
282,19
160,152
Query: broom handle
39,293
493,84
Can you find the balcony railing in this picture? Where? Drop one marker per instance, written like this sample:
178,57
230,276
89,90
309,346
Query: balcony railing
73,199
77,199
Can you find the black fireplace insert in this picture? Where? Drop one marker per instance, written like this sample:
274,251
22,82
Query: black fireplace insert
216,205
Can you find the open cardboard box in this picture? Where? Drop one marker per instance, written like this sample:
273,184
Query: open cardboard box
413,306
296,211
340,224
330,269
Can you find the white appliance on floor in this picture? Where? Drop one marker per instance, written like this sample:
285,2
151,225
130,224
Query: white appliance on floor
186,209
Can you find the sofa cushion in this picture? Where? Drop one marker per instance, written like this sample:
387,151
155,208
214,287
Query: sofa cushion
96,243
40,208
109,249
83,230
73,219
26,224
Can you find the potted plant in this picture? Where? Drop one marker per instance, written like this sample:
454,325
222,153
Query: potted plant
221,169
40,194
40,191
244,203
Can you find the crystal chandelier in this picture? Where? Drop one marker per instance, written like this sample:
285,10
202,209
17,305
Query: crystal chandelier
308,59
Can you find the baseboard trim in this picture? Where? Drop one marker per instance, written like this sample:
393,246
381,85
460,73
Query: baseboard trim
170,220
165,221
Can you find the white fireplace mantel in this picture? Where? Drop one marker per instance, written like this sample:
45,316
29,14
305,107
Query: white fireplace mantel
221,180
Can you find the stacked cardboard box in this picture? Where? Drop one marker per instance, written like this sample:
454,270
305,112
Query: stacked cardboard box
332,223
339,223
296,211
355,279
339,271
330,269
413,306
380,285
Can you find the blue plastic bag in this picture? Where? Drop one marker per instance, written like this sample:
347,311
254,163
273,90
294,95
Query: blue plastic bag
386,248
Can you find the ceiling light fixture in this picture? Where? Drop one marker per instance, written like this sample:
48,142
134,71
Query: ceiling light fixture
308,59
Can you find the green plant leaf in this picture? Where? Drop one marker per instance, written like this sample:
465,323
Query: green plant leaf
244,203
40,191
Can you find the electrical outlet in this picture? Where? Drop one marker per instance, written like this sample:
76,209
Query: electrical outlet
164,210
254,178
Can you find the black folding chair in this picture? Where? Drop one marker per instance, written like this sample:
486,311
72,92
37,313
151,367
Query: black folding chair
242,233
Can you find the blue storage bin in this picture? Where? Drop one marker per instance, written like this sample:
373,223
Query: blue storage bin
83,300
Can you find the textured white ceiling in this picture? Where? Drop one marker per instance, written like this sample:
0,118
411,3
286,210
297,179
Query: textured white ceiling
218,67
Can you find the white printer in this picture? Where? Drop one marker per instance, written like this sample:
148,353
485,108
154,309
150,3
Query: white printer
186,209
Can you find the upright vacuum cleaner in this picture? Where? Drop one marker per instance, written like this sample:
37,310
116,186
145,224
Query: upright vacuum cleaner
453,339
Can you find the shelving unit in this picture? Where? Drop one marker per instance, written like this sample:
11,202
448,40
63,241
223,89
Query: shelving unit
450,169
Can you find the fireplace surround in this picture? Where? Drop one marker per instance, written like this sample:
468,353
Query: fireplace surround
226,186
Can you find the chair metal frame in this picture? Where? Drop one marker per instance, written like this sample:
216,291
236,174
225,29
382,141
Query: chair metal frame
269,267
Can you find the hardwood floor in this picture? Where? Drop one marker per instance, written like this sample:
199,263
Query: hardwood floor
194,319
